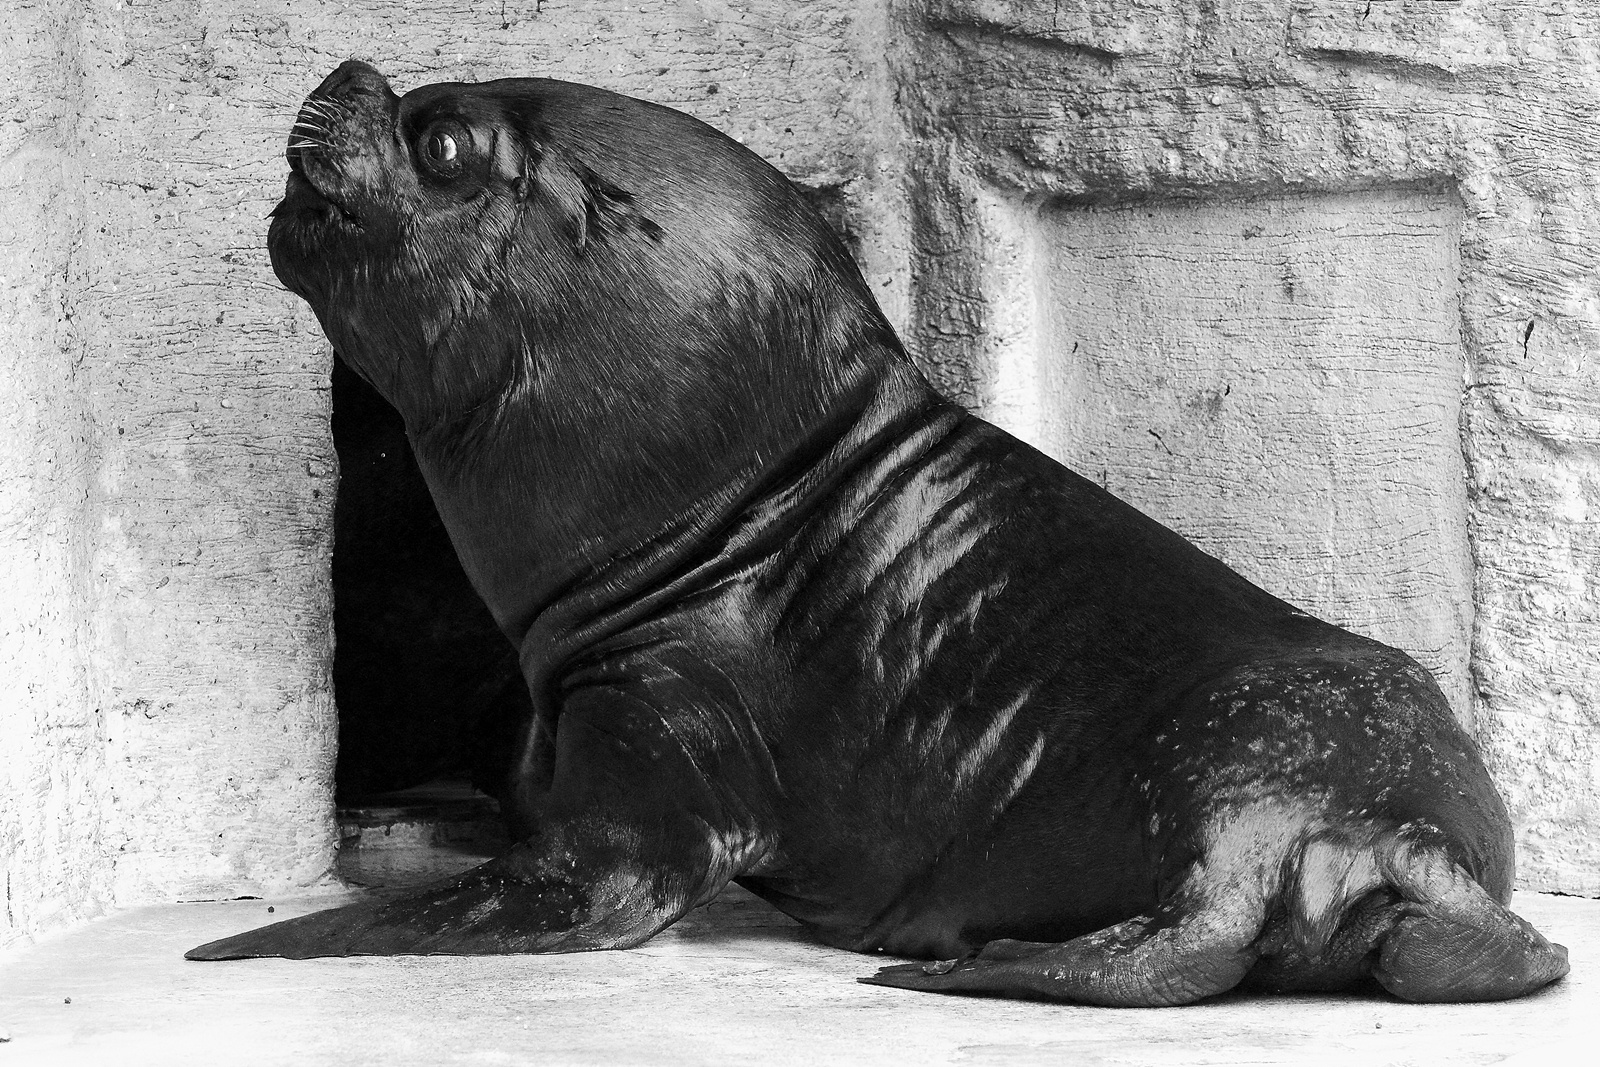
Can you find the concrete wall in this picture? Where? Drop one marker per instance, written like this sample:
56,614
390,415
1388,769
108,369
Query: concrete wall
1309,281
53,780
167,491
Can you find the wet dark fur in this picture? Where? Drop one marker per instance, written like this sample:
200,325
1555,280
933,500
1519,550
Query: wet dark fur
789,618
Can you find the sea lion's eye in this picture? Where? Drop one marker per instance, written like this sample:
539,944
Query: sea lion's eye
441,148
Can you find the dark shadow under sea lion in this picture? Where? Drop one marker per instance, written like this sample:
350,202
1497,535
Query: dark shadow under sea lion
789,618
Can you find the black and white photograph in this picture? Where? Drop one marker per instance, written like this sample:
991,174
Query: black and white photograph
787,532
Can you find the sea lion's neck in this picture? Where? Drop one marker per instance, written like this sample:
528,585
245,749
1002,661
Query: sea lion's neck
557,515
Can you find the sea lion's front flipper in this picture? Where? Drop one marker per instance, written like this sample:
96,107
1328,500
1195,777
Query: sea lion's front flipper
521,902
632,838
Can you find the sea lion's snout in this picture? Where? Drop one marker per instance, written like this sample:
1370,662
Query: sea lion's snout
355,78
339,145
354,88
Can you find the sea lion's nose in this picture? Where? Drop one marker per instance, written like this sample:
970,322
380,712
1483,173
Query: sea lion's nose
355,78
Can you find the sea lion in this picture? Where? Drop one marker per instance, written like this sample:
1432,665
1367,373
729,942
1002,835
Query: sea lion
789,618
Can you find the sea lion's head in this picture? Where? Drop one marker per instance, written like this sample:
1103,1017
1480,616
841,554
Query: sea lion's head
437,233
582,298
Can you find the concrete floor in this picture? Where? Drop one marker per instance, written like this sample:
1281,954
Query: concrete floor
735,982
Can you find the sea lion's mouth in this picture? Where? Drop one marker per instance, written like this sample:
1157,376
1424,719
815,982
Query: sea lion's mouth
302,197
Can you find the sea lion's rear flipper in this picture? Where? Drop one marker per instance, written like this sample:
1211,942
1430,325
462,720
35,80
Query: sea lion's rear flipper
1454,941
1142,962
631,839
1200,941
1402,912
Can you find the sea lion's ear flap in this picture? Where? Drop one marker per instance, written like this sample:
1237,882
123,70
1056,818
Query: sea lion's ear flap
589,207
510,162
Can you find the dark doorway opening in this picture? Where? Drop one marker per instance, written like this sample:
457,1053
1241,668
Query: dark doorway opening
428,690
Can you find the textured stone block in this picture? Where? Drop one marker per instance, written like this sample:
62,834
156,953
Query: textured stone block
1452,37
1279,380
1137,28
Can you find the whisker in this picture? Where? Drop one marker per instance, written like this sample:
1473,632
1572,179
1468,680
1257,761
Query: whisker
325,106
266,108
280,99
